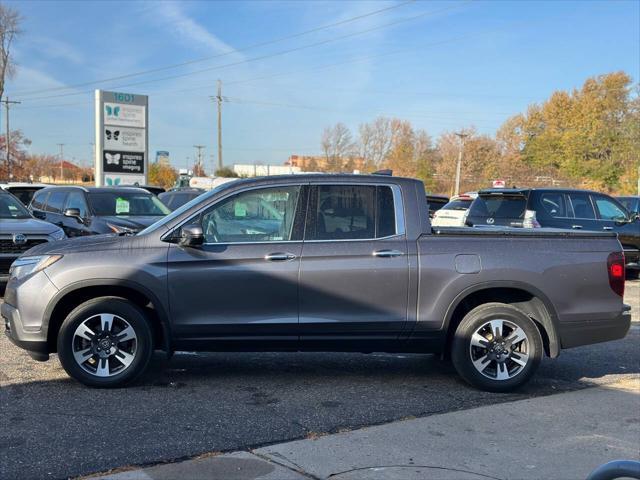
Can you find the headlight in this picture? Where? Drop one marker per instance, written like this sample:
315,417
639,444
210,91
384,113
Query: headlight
58,235
24,266
120,229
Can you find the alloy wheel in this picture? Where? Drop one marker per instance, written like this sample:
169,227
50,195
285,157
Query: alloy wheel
104,345
499,349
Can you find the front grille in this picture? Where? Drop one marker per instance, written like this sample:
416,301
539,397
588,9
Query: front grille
5,263
7,245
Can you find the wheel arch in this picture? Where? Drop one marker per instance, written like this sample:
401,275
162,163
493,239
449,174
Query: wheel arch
73,295
526,297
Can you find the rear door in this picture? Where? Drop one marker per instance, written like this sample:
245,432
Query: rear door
552,209
354,272
582,213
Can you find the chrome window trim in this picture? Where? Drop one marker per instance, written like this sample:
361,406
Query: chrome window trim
398,204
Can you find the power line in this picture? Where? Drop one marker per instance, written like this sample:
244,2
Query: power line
204,59
264,57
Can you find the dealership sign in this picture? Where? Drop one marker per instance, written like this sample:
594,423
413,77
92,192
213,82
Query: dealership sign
122,138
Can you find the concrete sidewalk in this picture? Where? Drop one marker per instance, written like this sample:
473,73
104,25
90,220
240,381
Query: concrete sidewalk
563,436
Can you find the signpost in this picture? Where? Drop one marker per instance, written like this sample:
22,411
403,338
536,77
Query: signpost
122,138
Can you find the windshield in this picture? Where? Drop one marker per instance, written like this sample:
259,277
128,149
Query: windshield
179,211
630,203
10,207
129,204
499,206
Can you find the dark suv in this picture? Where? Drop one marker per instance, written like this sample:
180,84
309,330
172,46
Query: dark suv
92,210
559,208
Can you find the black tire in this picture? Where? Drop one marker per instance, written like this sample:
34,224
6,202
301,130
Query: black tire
123,309
462,351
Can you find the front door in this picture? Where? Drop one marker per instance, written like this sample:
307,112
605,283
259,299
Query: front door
355,272
240,289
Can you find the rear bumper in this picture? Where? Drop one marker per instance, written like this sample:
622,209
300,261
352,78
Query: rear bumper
632,258
577,333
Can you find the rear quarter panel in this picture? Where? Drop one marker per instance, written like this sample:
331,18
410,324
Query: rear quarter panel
568,274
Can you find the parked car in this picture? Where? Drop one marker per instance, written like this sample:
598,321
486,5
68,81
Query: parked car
453,214
176,197
317,263
19,231
559,208
92,210
435,203
22,191
632,204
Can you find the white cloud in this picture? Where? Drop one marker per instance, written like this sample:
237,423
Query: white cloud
54,48
183,26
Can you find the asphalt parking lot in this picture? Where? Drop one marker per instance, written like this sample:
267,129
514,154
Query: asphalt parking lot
52,427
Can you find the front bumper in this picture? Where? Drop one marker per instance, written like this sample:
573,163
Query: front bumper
23,311
35,342
576,333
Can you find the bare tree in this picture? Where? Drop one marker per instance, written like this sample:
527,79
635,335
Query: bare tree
375,142
337,146
9,27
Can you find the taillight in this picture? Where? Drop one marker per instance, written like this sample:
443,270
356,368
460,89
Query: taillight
615,268
530,220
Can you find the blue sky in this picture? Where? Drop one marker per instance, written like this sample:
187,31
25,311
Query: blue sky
442,65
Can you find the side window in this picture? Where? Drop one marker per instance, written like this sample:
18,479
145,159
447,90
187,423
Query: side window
76,200
352,212
39,200
552,205
581,205
261,215
609,210
56,201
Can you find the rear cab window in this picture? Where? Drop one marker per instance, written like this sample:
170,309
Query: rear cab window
351,212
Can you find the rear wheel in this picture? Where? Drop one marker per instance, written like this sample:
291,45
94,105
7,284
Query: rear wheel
105,342
496,347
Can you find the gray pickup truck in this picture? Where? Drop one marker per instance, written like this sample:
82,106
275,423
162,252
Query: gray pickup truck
317,263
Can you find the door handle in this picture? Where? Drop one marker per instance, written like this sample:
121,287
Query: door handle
607,228
279,256
577,227
387,253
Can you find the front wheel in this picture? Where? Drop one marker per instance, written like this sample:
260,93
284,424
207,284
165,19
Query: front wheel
105,342
496,347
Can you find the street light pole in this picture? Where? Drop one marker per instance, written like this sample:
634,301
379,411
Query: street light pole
7,139
461,136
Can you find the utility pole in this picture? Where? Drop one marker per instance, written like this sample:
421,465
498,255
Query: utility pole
199,155
461,136
61,145
218,99
7,138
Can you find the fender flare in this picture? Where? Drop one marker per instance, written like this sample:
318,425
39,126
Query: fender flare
549,321
115,282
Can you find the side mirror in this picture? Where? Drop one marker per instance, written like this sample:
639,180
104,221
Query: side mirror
73,213
191,236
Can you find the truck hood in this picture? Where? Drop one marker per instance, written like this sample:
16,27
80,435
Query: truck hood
27,226
90,243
